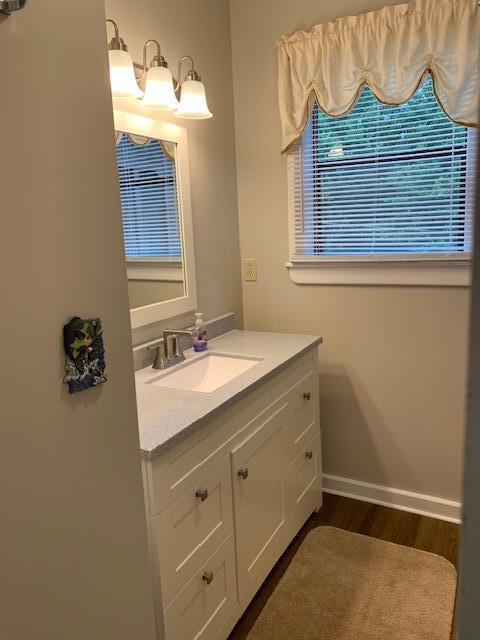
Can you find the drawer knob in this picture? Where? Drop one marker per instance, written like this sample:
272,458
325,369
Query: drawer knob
307,395
243,473
308,455
202,494
207,577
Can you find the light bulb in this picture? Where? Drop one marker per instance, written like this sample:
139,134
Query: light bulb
193,103
159,93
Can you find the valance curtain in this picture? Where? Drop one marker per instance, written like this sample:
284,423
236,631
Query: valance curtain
390,50
141,141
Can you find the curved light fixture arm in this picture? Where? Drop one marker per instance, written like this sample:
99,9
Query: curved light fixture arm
191,75
116,43
158,60
115,26
7,6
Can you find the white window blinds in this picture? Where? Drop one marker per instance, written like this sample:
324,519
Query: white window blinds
148,190
384,182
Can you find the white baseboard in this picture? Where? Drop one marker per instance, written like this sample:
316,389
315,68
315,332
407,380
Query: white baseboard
396,498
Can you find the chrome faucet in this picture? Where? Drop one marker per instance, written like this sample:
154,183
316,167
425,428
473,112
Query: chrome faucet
169,350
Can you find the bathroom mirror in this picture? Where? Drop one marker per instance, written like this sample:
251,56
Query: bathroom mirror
152,161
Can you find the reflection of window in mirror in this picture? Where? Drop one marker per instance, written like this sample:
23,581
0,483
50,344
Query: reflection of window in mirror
151,220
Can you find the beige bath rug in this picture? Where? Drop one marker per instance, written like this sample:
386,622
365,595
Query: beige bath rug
346,586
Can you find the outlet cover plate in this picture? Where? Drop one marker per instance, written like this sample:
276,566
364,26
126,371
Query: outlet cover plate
250,266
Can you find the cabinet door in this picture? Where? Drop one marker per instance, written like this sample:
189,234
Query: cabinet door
258,467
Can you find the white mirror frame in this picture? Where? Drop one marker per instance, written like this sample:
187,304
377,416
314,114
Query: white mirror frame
150,128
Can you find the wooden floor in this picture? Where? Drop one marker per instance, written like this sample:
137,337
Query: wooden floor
360,517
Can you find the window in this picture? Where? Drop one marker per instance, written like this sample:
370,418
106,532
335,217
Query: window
389,184
148,191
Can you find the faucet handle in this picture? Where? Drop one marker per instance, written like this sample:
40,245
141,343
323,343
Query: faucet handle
159,362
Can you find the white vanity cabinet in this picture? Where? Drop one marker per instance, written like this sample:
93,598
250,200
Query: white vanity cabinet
224,503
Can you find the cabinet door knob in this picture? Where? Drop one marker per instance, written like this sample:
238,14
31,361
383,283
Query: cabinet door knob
307,395
243,473
202,494
207,577
308,455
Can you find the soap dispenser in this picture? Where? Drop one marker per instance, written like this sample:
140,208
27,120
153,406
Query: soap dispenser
200,339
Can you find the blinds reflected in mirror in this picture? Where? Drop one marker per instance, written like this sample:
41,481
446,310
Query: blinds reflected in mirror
148,191
383,181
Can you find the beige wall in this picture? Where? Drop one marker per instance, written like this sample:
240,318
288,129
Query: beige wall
73,551
393,362
202,30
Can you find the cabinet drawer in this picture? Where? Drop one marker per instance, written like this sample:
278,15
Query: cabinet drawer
305,483
201,608
304,420
192,527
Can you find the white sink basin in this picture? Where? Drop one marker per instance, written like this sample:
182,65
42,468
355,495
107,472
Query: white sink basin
205,374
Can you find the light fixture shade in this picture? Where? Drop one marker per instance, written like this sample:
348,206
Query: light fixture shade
122,75
193,103
159,93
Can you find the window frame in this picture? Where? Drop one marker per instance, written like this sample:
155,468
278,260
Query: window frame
426,269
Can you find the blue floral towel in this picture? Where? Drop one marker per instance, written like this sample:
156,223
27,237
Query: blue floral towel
84,354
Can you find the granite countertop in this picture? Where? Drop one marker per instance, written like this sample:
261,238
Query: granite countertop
166,416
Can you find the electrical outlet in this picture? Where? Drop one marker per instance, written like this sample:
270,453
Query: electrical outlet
250,269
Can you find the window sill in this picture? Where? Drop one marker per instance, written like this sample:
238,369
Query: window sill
441,273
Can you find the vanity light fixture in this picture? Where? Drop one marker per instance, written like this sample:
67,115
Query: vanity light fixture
122,74
160,87
7,6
